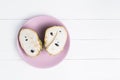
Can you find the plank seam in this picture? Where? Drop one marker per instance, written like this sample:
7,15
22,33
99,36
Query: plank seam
89,59
65,19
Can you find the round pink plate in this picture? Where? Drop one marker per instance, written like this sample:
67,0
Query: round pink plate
44,60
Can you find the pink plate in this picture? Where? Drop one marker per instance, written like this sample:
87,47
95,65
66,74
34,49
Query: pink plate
44,60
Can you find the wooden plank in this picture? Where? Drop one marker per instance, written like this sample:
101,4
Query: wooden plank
79,49
63,9
98,39
67,70
93,29
78,29
87,49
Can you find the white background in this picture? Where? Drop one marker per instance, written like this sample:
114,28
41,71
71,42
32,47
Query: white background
94,28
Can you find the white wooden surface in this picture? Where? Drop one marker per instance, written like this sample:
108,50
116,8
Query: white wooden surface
94,28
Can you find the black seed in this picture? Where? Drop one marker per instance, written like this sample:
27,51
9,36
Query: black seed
56,44
51,33
32,51
26,39
25,36
59,31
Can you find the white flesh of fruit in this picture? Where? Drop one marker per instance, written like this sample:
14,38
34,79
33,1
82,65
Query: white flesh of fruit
55,43
30,42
